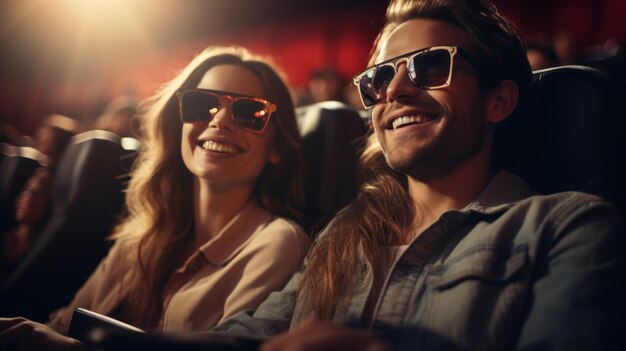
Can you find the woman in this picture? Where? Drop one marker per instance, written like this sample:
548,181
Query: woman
210,230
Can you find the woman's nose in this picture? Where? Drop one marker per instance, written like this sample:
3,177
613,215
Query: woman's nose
223,118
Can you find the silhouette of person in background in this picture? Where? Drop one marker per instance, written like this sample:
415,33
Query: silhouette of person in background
326,84
119,117
566,47
54,135
541,56
9,134
32,206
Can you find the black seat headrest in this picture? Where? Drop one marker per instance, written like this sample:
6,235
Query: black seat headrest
331,134
568,135
87,198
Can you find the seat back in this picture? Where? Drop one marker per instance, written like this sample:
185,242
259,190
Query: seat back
570,135
331,134
87,199
4,147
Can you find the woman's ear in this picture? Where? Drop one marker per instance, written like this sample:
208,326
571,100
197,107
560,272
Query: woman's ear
501,101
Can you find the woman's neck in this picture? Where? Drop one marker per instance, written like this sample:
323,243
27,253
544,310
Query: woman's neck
213,208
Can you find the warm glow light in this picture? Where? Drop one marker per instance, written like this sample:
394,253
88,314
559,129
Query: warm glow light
86,33
85,52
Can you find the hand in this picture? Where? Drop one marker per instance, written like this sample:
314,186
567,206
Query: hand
22,335
314,335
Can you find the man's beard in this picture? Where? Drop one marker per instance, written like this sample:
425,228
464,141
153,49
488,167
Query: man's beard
439,159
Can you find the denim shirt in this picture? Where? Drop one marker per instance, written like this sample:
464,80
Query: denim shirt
508,271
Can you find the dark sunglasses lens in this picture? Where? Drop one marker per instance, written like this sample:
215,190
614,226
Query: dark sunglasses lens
250,114
430,69
382,77
197,106
373,84
366,90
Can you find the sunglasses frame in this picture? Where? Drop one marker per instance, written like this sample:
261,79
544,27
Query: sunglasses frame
408,59
232,97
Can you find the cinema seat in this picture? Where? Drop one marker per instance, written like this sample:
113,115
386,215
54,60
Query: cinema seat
569,136
87,198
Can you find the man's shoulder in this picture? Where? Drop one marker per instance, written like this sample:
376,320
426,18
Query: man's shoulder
566,201
566,197
569,218
559,209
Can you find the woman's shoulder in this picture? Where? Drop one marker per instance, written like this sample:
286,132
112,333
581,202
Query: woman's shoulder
282,231
279,242
270,223
122,249
285,224
271,232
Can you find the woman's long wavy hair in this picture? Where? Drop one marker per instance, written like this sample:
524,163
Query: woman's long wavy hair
159,225
382,211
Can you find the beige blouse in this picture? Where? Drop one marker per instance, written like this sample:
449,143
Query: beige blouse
254,254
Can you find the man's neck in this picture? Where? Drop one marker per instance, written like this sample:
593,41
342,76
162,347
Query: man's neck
454,191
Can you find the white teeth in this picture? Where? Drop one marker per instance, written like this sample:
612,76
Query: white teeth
401,121
210,145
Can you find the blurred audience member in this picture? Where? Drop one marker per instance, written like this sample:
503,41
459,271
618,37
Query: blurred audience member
33,204
352,97
326,84
541,56
9,134
54,135
31,212
566,48
119,116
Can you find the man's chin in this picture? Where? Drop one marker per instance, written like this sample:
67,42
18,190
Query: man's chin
424,170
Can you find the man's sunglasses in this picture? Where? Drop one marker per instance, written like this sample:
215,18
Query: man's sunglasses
429,68
201,105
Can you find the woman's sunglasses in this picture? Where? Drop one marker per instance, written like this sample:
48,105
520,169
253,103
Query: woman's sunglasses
201,105
429,68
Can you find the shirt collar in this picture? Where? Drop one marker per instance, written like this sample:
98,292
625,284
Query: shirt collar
503,190
236,234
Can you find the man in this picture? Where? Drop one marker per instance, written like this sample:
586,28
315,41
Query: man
437,251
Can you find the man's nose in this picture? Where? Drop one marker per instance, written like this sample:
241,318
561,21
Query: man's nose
400,85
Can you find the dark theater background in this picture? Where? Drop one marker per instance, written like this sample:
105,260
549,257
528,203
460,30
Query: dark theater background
74,56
